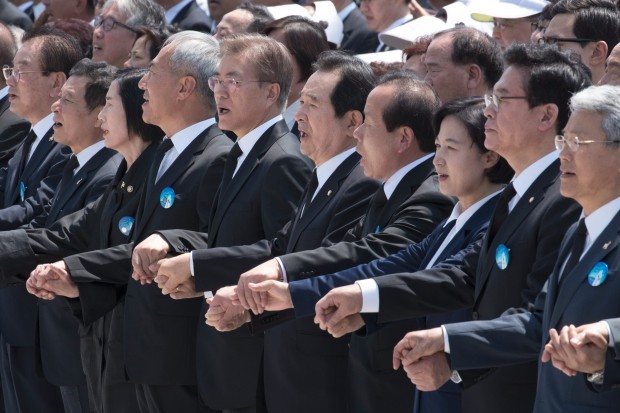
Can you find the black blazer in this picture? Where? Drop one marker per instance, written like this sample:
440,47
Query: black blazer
41,175
256,204
13,131
532,232
412,212
10,14
192,17
151,317
358,38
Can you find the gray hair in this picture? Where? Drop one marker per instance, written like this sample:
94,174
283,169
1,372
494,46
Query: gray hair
604,100
195,54
139,12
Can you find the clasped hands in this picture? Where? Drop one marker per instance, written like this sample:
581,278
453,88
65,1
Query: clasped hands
47,281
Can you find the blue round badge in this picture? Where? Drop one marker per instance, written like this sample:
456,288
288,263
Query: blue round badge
166,198
125,224
22,191
502,256
598,274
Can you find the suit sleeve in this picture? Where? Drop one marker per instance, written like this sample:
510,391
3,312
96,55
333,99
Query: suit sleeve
612,360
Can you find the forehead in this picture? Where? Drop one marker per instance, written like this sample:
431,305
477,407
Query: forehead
512,81
584,123
28,54
378,99
236,64
320,84
113,11
75,85
561,26
439,49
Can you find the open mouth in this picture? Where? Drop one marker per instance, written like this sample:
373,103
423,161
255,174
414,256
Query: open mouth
222,111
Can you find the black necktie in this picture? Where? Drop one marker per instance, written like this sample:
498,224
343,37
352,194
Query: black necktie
163,147
579,241
377,204
501,211
67,173
230,166
30,138
312,186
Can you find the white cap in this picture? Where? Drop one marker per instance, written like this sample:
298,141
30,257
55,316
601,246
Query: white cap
390,56
460,13
403,35
485,11
326,11
288,10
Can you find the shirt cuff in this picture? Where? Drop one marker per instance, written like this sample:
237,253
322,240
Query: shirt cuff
455,377
282,269
370,295
207,294
610,336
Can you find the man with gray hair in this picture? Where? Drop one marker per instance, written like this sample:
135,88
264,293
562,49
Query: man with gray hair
159,332
115,28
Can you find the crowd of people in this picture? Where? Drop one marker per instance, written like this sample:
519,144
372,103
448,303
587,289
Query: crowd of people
384,206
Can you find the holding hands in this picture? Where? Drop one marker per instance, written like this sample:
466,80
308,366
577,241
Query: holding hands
47,281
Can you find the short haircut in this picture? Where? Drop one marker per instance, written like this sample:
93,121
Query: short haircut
195,54
157,36
470,112
552,76
58,51
471,46
355,82
139,12
303,38
99,75
132,99
78,28
594,19
604,100
271,60
8,45
261,16
413,105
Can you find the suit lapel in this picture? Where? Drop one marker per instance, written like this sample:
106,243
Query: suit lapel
532,197
603,246
224,199
327,192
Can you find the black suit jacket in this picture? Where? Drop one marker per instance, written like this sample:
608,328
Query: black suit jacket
192,17
256,204
412,212
13,130
159,332
532,232
41,175
564,301
358,38
10,14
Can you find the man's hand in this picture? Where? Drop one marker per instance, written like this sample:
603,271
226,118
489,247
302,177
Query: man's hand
336,306
274,295
249,299
429,373
49,280
183,290
577,349
223,314
172,272
149,251
417,344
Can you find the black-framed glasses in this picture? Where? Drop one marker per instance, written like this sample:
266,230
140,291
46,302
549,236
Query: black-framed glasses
573,143
555,39
229,84
8,72
496,100
108,23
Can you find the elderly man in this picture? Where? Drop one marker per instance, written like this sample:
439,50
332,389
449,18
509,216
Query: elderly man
335,200
579,290
509,267
462,62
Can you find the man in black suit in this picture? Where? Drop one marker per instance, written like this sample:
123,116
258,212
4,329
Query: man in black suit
10,14
581,289
40,68
13,129
335,200
180,190
358,38
186,15
509,267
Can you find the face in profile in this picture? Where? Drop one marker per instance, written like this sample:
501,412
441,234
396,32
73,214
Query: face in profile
112,119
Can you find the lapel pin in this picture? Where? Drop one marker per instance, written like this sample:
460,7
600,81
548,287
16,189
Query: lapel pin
531,200
166,198
130,188
502,256
598,274
79,182
122,185
329,193
606,245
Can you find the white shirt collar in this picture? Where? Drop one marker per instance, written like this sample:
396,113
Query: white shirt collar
390,185
86,154
344,13
326,169
4,92
289,113
247,142
183,138
172,12
24,6
598,220
523,181
44,125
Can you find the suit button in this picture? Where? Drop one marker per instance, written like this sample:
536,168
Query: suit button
474,315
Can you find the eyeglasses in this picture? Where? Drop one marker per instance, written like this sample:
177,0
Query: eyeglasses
573,143
554,40
108,23
8,72
229,84
495,100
